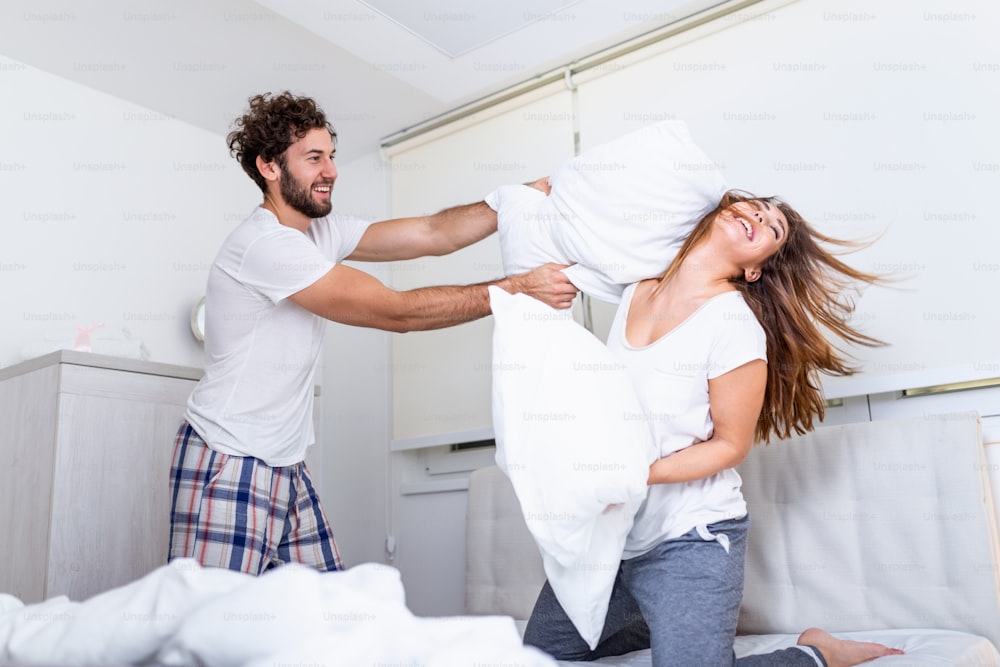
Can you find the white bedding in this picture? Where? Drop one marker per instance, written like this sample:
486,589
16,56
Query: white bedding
182,614
923,648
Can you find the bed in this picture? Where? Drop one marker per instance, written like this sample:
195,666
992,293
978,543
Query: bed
881,531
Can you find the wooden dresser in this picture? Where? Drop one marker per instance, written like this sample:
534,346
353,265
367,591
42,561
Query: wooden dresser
85,454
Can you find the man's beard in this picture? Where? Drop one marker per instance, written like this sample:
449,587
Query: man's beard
300,198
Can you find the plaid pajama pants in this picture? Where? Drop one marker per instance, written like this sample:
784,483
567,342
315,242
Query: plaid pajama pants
238,513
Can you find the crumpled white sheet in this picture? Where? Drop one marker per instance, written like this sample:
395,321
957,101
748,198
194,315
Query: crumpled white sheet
183,614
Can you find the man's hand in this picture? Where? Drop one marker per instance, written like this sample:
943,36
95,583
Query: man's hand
541,184
547,283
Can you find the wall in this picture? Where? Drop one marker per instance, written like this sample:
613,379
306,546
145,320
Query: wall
355,396
113,214
875,123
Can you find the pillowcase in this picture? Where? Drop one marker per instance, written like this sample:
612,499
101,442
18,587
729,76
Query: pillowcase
571,438
619,211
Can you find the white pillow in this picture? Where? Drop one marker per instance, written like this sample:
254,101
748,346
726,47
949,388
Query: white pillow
571,437
619,211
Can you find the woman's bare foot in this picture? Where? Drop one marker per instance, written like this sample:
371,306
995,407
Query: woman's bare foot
843,652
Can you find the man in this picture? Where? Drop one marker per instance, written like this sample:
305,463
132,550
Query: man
241,496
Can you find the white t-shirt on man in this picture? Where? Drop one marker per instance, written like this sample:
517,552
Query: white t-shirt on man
256,397
671,378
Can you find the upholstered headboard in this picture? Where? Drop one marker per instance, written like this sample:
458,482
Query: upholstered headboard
503,568
887,524
870,526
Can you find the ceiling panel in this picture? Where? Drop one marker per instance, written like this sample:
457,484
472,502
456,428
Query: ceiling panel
456,27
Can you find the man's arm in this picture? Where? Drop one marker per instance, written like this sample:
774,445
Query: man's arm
350,296
439,234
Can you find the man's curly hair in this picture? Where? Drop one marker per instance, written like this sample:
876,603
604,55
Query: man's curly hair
270,126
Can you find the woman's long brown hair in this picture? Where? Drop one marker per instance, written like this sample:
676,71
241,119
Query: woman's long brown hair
804,291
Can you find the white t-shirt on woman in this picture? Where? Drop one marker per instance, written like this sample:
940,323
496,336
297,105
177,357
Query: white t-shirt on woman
671,379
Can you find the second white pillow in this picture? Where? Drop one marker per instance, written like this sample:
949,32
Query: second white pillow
571,437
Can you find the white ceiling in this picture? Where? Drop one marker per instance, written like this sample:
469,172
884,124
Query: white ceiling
376,66
455,27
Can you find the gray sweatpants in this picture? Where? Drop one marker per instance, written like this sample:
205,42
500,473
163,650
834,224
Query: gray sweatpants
681,599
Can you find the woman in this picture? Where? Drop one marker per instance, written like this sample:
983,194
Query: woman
724,348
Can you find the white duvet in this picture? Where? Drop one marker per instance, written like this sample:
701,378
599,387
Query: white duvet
183,614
